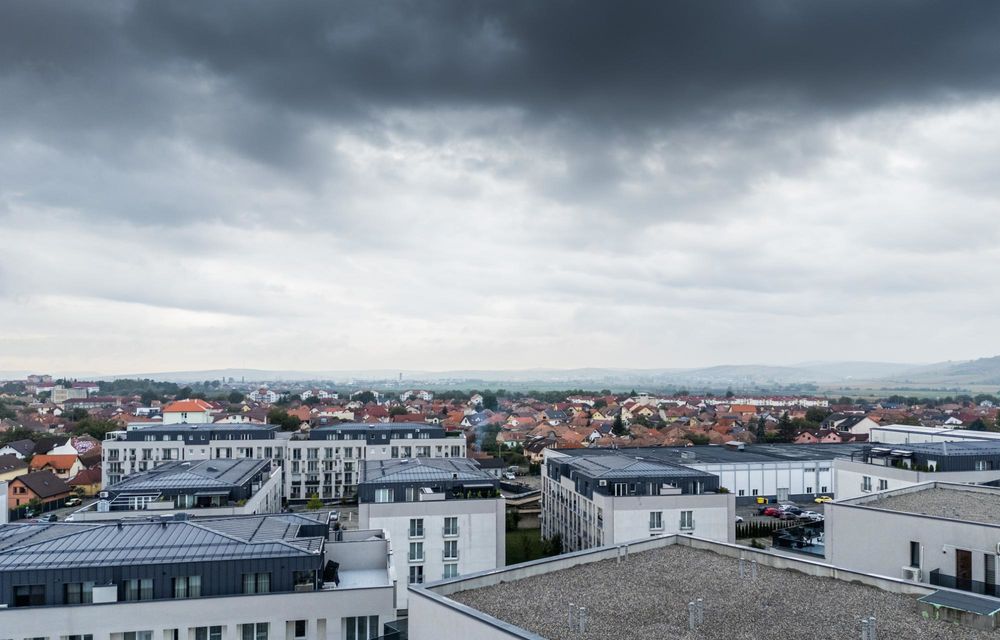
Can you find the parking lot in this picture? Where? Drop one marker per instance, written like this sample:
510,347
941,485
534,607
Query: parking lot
750,513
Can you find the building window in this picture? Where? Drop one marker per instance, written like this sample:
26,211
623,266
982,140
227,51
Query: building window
451,526
883,485
300,628
29,595
416,552
137,589
655,520
256,583
207,633
253,631
416,527
450,570
687,520
754,492
383,495
137,635
85,636
361,628
187,587
451,549
809,489
741,492
417,574
866,483
412,494
79,592
982,465
914,554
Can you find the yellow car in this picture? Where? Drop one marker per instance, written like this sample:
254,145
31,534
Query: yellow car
823,499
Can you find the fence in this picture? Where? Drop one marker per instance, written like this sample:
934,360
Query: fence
762,528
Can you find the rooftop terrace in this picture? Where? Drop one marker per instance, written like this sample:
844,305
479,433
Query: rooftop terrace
645,596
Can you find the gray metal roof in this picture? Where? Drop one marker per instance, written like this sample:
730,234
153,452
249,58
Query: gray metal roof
204,474
714,454
64,545
962,601
628,466
964,448
422,470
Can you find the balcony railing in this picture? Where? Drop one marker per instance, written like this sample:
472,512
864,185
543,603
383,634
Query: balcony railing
939,579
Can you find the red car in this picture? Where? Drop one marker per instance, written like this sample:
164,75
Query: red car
772,511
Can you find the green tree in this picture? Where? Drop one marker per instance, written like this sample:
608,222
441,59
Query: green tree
77,414
618,427
600,403
397,410
312,401
729,393
786,429
235,397
490,400
183,394
314,503
95,428
996,423
6,413
817,414
761,429
977,425
364,397
281,418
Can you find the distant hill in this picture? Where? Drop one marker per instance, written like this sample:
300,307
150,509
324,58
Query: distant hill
984,371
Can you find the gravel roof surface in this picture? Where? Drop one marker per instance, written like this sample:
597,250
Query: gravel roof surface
974,506
646,597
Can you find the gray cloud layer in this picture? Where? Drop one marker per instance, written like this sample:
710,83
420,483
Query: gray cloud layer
505,184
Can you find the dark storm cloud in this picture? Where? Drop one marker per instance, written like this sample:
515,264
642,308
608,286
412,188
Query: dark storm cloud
630,63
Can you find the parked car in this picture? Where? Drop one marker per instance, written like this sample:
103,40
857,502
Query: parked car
822,499
73,502
739,519
772,511
788,515
793,510
509,476
810,515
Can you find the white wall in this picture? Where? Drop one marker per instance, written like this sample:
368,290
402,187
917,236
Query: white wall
850,475
853,540
481,539
323,609
628,517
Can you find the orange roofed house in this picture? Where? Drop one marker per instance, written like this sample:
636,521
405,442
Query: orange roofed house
192,411
63,465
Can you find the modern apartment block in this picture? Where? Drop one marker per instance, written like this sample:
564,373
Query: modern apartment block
937,533
445,516
126,452
885,468
200,488
277,577
323,461
591,501
326,461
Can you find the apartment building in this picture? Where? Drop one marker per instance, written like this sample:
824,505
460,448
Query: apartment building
936,533
325,461
277,577
201,488
885,468
591,501
445,516
126,452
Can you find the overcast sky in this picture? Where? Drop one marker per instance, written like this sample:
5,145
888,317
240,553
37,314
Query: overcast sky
499,185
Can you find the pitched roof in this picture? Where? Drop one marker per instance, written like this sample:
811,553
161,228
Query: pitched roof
25,447
87,476
193,405
10,462
62,462
44,484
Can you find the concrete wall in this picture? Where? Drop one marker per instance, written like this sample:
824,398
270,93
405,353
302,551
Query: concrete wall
809,478
627,518
323,609
849,476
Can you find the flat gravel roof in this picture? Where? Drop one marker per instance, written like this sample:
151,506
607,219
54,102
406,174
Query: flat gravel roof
972,506
646,597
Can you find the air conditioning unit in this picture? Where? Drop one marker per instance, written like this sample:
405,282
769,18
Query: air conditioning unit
911,573
604,483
